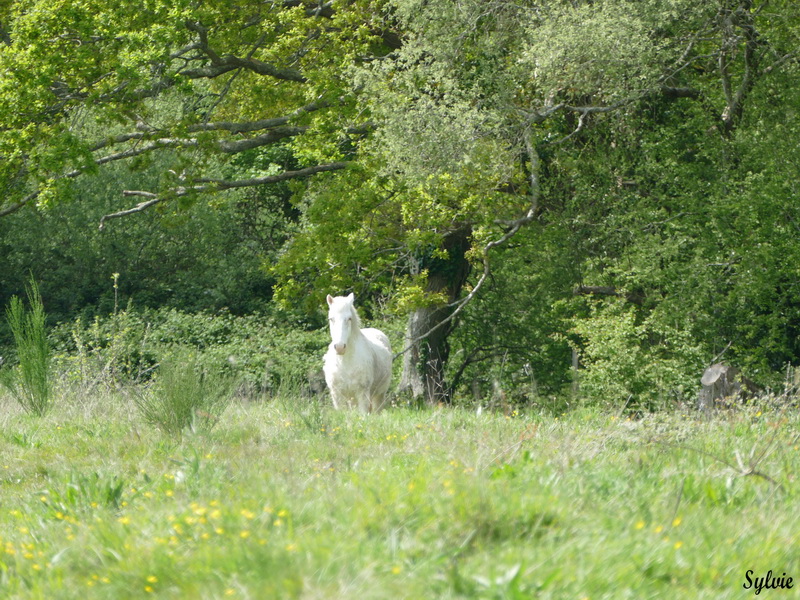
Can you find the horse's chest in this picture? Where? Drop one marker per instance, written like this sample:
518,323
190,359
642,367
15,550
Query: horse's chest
347,375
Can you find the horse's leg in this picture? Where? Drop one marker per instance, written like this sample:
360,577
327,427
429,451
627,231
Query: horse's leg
337,401
365,402
378,393
376,403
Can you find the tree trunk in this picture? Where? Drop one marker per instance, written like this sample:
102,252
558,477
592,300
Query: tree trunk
423,364
425,361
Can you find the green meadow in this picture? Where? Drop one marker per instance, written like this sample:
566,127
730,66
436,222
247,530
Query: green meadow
287,498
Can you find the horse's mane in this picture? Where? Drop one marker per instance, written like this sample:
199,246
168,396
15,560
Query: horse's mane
356,317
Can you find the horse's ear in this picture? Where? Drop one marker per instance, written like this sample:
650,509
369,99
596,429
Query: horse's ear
351,298
329,299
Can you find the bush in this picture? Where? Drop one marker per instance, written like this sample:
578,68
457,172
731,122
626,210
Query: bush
106,351
185,394
30,381
630,358
263,356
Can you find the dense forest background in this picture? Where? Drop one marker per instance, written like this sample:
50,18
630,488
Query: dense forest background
510,188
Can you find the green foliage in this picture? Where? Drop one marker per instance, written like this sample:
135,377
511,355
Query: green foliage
204,257
185,394
697,233
346,223
79,74
608,51
631,359
106,351
615,122
511,339
261,355
81,493
30,382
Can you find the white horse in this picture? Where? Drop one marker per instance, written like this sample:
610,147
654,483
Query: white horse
358,363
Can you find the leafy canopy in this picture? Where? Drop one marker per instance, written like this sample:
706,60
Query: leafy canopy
86,83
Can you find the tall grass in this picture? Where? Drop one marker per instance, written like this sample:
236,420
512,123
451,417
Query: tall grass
283,500
185,395
30,382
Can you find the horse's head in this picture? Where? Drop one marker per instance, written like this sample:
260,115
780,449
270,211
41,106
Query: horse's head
342,317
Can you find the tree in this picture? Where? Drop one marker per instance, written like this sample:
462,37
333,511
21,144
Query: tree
85,85
491,117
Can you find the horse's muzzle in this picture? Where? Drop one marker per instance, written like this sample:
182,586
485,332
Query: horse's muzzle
340,348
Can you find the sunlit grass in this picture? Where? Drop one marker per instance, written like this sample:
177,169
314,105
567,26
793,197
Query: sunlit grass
288,499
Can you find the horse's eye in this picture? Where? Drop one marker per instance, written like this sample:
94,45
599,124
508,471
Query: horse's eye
349,319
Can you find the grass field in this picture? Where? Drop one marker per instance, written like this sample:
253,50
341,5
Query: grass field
289,499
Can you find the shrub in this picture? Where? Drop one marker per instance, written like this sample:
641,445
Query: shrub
106,351
262,354
632,358
185,394
30,381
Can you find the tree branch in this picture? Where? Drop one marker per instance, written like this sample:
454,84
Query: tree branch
250,126
219,66
147,142
278,133
221,184
222,64
154,199
214,185
226,146
680,92
15,207
313,9
606,290
731,19
513,228
147,133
